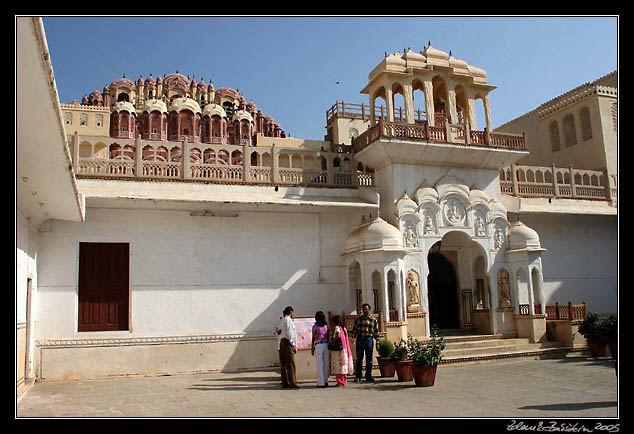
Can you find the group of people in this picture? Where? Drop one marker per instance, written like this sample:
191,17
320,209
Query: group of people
335,360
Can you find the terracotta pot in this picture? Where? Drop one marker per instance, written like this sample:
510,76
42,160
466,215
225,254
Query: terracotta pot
613,349
386,367
597,348
425,376
404,370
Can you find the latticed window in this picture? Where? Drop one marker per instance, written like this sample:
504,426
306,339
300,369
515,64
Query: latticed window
586,128
554,136
570,134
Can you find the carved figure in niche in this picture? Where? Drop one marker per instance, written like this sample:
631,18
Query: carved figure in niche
429,226
454,211
410,238
504,288
498,239
479,227
413,293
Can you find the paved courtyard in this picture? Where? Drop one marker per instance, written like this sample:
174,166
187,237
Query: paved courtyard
573,387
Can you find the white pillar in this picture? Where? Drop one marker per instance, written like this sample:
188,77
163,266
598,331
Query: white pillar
429,102
453,110
487,112
389,103
409,103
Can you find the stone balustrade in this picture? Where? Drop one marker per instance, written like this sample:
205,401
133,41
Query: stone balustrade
107,157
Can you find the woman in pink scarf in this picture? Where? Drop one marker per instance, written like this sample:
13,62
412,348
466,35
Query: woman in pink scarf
341,361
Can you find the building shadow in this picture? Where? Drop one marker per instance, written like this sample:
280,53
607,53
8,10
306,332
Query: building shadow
572,406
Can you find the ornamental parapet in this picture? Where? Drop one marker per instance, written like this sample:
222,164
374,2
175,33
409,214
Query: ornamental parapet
556,182
127,158
455,134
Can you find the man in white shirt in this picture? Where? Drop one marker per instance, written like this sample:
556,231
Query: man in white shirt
287,346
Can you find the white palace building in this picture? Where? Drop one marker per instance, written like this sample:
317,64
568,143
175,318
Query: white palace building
162,225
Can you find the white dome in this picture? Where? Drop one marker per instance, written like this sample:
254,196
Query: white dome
522,237
405,204
433,52
242,114
125,106
155,105
377,234
185,103
214,109
476,195
426,194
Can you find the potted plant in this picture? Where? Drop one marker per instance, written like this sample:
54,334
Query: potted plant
593,329
611,330
401,361
386,349
425,359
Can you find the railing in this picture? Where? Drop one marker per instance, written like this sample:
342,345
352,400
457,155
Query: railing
570,312
555,182
229,164
346,110
447,133
525,309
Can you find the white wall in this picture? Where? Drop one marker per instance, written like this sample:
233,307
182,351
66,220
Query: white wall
26,243
200,275
581,261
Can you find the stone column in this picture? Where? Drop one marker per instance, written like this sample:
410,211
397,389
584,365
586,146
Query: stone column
186,165
138,158
487,112
453,110
389,104
429,102
473,123
274,164
246,163
76,153
409,103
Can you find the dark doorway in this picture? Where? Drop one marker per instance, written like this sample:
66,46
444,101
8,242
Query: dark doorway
443,295
104,271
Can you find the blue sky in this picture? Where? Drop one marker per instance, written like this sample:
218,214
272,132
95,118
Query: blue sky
290,66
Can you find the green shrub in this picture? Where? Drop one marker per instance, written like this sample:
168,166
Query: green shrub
386,348
611,325
593,328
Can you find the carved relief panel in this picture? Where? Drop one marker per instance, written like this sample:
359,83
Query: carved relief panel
480,226
412,286
454,212
499,234
504,288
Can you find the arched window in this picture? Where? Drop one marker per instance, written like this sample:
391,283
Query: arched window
554,136
586,128
570,133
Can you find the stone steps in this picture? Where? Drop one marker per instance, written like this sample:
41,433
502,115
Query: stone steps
485,348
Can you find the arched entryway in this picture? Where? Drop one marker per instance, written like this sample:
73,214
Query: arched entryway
442,292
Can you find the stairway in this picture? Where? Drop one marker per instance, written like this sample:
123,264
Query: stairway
463,348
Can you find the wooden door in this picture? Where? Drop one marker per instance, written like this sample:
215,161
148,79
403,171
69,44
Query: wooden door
103,286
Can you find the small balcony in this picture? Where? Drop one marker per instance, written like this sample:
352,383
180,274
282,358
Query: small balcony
453,145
